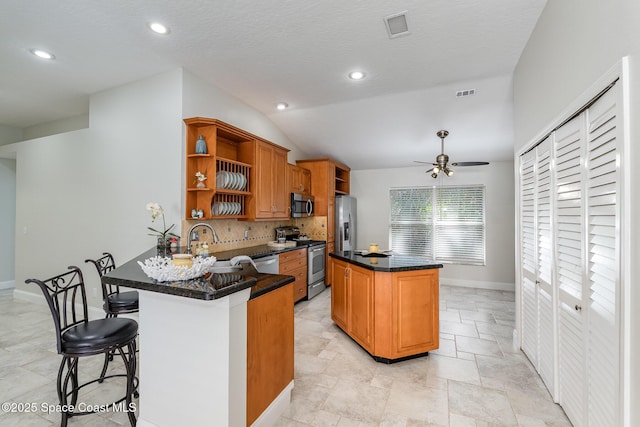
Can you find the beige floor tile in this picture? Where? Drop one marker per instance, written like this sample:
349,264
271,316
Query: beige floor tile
454,369
481,403
356,401
418,402
478,346
457,328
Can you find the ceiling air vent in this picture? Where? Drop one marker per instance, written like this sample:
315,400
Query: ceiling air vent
397,24
466,92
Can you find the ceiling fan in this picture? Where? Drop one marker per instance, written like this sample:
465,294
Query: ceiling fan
442,160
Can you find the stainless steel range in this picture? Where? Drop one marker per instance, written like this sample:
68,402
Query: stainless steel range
316,249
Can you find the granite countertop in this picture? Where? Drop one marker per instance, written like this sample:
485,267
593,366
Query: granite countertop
392,263
216,286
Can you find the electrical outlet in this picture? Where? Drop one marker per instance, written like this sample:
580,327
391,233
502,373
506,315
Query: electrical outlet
246,234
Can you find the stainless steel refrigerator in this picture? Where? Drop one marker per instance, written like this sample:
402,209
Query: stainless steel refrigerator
345,223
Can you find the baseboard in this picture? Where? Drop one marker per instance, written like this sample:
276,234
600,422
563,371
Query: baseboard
280,404
7,287
496,286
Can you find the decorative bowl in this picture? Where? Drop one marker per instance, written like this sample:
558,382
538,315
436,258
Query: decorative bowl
163,270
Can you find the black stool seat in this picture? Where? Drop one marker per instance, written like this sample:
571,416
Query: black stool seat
96,336
122,302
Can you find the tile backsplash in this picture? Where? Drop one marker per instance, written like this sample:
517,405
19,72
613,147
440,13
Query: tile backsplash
231,232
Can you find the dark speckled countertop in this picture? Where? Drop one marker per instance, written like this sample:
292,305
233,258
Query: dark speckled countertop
391,263
216,286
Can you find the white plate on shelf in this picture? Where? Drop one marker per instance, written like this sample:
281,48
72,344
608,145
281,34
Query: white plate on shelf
234,181
243,182
227,180
220,179
238,208
214,209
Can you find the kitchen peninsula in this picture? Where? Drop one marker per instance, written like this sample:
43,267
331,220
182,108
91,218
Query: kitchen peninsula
215,351
387,304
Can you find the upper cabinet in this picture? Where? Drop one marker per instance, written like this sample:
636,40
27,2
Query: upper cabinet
329,178
245,175
269,200
298,179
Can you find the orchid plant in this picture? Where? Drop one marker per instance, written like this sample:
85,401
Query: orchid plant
200,177
157,211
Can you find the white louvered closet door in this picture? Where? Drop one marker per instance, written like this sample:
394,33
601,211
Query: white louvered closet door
569,221
544,246
604,149
529,304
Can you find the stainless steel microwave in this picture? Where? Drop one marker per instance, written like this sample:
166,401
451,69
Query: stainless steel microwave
301,205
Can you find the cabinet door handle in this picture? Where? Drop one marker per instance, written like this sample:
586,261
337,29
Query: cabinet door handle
578,307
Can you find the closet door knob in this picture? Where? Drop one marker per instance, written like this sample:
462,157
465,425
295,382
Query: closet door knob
578,308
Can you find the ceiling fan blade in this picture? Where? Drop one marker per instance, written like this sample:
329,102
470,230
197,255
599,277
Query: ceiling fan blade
469,164
426,163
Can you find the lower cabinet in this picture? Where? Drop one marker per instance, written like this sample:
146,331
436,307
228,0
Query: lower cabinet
392,315
294,263
269,348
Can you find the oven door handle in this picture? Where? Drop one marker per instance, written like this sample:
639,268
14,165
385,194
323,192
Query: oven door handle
316,250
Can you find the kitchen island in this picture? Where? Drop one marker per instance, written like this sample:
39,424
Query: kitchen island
215,351
387,304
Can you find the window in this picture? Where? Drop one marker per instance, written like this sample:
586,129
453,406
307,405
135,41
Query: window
443,223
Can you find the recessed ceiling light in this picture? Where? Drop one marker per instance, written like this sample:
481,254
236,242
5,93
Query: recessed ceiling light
158,28
282,106
356,75
43,54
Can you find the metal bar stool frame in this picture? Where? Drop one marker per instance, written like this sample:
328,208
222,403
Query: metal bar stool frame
77,337
114,301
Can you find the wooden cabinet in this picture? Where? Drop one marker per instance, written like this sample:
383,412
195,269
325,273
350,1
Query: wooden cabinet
294,263
270,342
392,315
340,273
268,178
298,179
223,197
246,175
352,298
328,178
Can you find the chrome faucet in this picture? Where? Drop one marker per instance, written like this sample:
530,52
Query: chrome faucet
193,235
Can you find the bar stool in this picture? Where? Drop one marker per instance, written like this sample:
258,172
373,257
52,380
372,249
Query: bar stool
115,302
77,337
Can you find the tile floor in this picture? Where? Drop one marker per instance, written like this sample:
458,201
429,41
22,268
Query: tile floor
476,378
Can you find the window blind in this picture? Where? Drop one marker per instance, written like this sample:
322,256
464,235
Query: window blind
444,223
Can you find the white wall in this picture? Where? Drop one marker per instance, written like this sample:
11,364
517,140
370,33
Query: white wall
84,192
371,188
10,134
204,100
573,44
58,126
7,221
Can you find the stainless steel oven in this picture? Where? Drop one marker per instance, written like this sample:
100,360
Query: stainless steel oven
316,269
301,205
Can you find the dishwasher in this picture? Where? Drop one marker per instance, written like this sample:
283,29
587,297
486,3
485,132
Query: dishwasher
268,264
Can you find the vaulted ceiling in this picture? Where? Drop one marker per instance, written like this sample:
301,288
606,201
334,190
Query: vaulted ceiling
298,52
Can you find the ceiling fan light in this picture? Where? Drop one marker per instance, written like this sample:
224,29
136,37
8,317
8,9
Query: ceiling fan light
436,170
448,171
434,175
